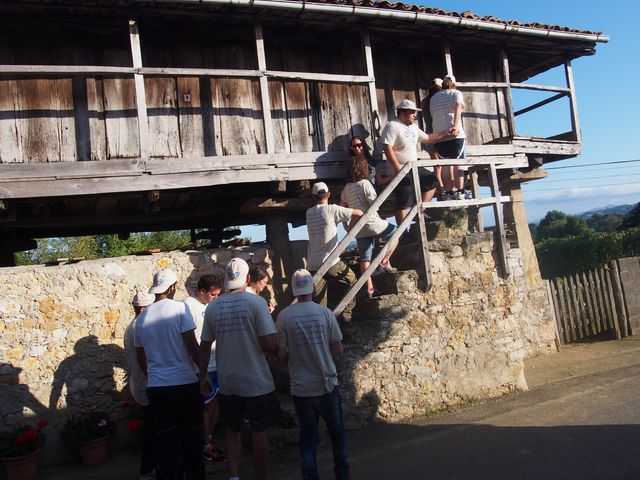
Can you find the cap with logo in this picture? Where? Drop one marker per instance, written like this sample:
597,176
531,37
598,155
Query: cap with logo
162,280
235,275
301,282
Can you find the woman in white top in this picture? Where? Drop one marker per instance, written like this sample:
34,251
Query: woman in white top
359,193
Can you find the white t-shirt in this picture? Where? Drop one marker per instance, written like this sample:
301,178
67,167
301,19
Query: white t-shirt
308,330
137,378
441,107
235,321
403,139
361,195
159,330
197,308
322,221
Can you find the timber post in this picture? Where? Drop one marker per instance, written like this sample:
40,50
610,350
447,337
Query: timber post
282,264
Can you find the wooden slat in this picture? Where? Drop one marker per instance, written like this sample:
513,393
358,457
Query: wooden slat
424,242
499,217
475,191
192,114
281,139
545,88
511,120
64,70
615,326
570,314
540,104
264,91
163,126
566,328
581,313
586,295
555,305
11,146
141,100
573,290
593,294
575,122
97,124
373,97
619,298
554,311
604,298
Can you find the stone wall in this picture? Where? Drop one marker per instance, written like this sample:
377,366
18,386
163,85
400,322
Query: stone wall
407,353
410,353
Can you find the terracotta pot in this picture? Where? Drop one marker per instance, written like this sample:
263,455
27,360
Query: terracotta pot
95,452
24,467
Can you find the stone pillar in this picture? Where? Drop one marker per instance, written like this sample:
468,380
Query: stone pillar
283,262
516,216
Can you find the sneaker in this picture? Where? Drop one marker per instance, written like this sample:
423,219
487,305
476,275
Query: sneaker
468,195
459,195
449,195
212,454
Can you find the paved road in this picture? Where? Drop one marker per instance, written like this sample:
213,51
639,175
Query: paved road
581,428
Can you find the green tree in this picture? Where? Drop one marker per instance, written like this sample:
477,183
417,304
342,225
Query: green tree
631,219
556,224
607,222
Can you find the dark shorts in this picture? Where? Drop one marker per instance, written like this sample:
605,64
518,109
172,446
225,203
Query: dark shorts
404,191
454,148
261,411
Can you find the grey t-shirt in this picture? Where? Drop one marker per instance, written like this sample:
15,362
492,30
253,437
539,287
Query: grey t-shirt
361,195
235,321
308,330
322,221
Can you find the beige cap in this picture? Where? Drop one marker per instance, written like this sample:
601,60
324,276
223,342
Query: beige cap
407,104
235,275
301,282
320,188
143,299
162,280
450,77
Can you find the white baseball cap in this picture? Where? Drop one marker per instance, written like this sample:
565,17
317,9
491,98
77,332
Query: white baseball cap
407,104
320,188
162,280
438,81
143,299
301,282
235,275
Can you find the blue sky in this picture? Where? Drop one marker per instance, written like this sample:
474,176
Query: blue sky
608,101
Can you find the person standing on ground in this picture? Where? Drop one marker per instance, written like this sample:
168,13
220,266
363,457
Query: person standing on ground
166,349
138,386
359,193
322,221
208,288
310,339
400,139
240,324
446,110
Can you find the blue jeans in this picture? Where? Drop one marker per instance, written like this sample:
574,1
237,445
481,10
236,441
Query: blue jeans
308,410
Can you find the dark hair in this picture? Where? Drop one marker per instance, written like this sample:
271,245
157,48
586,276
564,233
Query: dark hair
433,89
366,151
448,84
257,273
357,169
210,280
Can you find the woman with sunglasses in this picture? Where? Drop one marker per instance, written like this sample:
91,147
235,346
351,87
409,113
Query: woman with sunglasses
358,148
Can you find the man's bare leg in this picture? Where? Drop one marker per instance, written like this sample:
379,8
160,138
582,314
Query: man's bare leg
260,444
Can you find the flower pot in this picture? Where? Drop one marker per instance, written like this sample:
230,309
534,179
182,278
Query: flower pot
95,452
24,467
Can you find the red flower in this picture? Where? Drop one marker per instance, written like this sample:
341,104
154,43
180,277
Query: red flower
133,425
31,434
42,423
22,439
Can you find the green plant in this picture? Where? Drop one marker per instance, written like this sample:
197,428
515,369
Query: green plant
84,427
22,440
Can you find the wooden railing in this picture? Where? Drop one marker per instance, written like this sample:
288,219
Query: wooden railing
496,201
589,304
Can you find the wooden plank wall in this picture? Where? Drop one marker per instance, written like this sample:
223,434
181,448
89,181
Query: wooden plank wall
67,119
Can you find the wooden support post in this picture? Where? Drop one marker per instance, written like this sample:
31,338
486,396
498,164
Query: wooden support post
264,90
141,99
554,311
499,217
373,96
424,242
447,59
590,311
575,123
511,119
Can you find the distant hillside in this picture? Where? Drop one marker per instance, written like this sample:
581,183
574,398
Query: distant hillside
621,209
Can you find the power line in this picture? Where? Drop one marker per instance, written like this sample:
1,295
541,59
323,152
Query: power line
582,188
587,178
591,164
600,169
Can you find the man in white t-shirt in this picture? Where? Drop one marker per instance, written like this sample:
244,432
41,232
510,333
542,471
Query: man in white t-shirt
400,139
322,226
241,325
138,386
166,349
207,290
310,338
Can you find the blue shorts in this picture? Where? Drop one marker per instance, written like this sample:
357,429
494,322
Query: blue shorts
454,148
365,244
213,376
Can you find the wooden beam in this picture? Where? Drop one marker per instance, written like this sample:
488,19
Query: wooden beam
511,120
141,99
424,241
262,205
447,59
264,90
540,104
544,88
373,96
499,218
575,123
